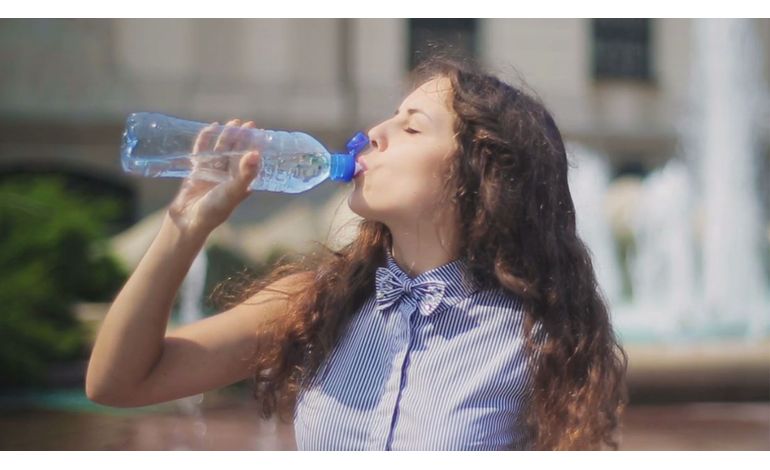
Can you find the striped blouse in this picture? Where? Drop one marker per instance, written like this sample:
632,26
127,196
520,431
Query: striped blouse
427,363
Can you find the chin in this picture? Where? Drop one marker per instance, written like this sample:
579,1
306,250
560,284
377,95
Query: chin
359,205
356,203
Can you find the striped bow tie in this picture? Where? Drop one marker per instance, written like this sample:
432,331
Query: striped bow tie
425,295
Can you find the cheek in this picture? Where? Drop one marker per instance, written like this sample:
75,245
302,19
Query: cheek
404,193
385,191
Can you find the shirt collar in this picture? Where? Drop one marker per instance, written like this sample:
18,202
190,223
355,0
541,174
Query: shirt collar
455,274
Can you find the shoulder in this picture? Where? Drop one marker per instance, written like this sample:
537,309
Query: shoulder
497,297
498,308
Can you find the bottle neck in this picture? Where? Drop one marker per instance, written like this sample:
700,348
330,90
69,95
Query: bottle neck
342,167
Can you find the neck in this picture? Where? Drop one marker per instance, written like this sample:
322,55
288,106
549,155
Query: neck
418,252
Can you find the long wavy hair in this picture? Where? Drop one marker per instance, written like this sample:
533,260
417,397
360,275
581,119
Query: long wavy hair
517,232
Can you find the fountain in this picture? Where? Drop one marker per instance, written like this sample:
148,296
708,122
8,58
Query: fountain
697,269
727,102
191,291
589,183
190,310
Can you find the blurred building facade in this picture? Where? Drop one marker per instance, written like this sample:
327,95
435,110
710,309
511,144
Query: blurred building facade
617,85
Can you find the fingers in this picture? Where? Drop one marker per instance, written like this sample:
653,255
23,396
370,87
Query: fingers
229,136
249,165
204,139
203,144
248,169
250,161
244,140
234,138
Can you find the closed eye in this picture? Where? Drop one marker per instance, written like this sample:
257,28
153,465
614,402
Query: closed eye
411,131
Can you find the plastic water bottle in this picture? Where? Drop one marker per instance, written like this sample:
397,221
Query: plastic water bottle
157,145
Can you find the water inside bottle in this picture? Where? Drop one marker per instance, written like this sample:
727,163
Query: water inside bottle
281,173
281,170
292,173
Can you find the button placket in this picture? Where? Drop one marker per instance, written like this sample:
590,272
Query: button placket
402,359
398,331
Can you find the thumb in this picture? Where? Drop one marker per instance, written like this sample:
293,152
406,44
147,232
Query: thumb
248,168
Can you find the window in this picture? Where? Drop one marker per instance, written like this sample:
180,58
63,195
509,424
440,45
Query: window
631,166
455,37
621,48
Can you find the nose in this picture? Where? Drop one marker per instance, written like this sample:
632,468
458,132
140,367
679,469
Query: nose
375,138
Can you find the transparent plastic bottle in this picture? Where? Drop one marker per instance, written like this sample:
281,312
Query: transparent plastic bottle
157,145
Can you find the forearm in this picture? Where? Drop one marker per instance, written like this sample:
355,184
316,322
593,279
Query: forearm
130,340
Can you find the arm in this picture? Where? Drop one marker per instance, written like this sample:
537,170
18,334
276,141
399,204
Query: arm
130,339
205,355
131,343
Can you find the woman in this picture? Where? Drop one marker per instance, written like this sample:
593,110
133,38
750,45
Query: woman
465,315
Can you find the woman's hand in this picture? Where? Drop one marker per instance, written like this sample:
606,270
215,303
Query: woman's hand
201,205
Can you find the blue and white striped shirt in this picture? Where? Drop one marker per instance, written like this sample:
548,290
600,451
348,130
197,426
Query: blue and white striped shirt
447,373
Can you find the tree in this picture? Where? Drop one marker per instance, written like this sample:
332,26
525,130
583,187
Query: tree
53,252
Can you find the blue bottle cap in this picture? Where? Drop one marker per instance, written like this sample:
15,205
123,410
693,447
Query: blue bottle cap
343,165
357,143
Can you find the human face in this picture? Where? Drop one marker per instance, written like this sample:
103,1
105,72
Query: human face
407,158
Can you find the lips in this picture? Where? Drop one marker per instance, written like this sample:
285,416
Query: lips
363,164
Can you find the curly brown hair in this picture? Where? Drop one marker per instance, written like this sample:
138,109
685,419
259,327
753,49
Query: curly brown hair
518,233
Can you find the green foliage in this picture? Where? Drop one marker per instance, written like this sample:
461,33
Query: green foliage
53,252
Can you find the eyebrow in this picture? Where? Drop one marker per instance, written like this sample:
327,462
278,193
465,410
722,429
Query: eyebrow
411,111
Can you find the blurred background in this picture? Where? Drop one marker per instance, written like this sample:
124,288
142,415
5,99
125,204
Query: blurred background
667,125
